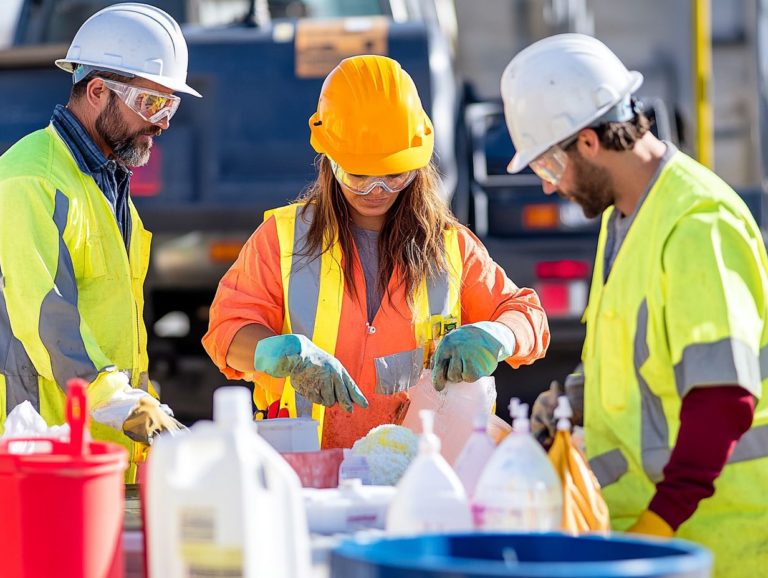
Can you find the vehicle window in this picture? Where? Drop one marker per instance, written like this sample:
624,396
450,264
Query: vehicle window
8,22
57,21
224,12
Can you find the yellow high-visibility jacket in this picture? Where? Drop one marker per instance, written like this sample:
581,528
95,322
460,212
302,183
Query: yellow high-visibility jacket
685,305
71,299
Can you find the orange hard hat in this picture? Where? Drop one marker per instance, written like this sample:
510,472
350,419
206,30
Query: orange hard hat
370,120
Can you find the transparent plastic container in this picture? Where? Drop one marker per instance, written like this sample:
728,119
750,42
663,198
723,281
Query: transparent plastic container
430,497
454,409
290,434
519,489
474,455
349,508
222,502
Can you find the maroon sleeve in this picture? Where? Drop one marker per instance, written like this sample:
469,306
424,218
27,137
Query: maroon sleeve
712,420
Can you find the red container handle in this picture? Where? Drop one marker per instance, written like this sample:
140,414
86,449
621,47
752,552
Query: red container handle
77,416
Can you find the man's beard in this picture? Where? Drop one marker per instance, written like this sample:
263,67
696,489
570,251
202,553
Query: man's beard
593,189
126,146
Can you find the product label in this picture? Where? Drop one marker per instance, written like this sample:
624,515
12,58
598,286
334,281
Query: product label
202,557
197,524
212,561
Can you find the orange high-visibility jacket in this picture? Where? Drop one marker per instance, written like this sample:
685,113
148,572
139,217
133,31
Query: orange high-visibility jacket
252,292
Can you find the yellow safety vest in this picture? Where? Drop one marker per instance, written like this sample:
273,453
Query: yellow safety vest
71,298
313,291
684,306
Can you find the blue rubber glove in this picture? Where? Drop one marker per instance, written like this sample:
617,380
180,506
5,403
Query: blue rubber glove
315,374
470,352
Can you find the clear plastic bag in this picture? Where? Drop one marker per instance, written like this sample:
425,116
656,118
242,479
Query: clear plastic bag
454,407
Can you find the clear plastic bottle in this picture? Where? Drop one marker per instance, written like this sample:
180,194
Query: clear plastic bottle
518,489
430,497
474,455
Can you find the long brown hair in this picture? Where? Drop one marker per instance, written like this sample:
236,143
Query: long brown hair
411,240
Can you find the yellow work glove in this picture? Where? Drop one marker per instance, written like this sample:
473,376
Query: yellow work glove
651,524
147,419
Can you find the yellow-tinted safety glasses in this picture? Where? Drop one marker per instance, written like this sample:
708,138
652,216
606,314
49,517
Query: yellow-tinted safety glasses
551,164
150,105
364,184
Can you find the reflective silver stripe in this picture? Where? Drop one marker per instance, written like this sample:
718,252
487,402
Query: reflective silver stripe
764,362
59,324
438,291
654,430
752,445
143,380
303,291
398,372
304,285
720,363
609,467
21,382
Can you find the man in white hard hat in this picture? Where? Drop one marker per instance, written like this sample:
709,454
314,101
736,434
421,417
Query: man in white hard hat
676,423
73,250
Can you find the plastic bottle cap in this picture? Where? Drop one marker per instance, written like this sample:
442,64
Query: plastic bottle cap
563,413
232,406
429,442
514,405
520,423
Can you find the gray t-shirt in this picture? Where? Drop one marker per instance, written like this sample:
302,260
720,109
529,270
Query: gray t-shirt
618,224
367,243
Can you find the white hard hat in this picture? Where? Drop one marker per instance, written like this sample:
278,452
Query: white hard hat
557,86
133,39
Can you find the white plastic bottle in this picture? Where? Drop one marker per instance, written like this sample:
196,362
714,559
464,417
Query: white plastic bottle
222,502
474,455
518,489
430,497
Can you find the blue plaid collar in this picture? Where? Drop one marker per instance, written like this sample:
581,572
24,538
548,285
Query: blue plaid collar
89,157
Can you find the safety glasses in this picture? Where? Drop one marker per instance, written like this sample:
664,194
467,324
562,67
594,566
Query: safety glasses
150,105
550,166
363,184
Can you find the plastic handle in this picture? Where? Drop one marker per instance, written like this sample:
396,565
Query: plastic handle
77,415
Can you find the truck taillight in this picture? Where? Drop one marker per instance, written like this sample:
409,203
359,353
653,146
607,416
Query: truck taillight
541,216
564,269
562,287
147,180
224,251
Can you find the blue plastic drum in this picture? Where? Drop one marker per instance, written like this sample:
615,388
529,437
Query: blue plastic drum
520,556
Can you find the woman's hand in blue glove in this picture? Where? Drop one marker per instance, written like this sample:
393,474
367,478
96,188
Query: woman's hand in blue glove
315,374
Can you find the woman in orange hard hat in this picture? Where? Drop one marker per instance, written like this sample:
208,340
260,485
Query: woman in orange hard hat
341,299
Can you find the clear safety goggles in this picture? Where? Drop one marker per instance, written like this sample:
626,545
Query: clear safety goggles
364,184
150,105
551,164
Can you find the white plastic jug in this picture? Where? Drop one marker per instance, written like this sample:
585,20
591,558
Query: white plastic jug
222,502
430,497
519,489
454,409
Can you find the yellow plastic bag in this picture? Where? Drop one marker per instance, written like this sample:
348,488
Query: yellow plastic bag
584,508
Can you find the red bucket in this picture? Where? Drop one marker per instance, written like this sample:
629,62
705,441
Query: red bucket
62,506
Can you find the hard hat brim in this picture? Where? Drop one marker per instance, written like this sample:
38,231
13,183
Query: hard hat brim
171,84
522,160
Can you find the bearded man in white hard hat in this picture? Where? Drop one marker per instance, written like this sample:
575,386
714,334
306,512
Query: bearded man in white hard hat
73,250
675,373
